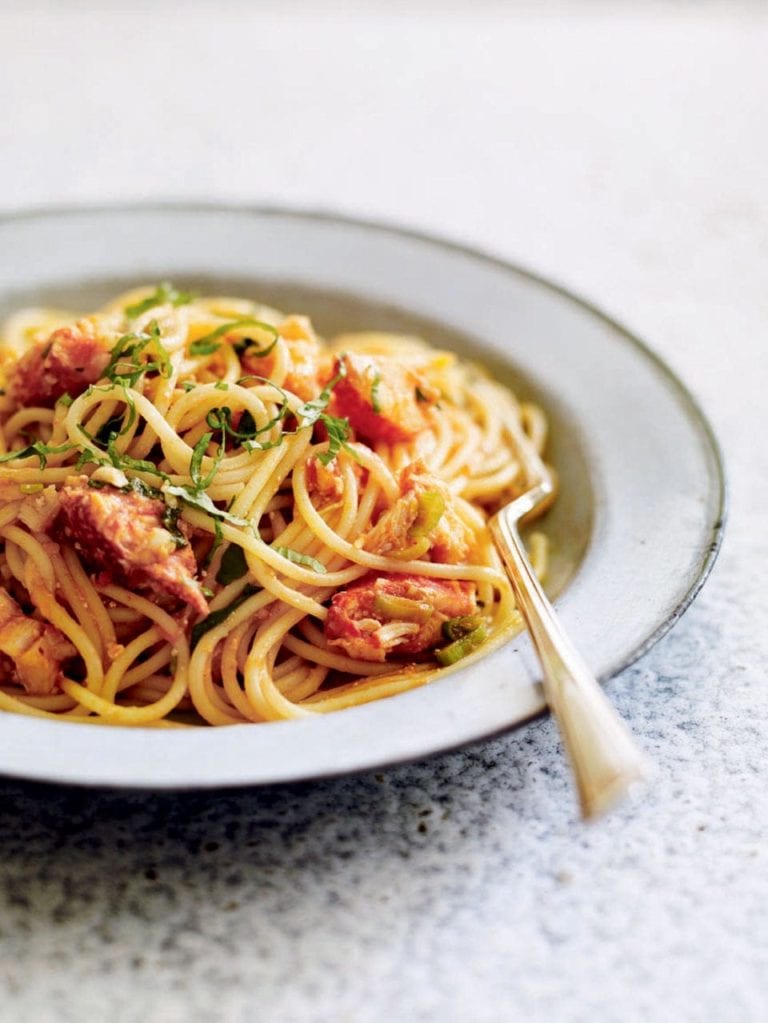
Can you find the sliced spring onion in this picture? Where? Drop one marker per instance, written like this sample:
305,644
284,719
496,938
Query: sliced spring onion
414,551
460,648
431,506
402,608
457,628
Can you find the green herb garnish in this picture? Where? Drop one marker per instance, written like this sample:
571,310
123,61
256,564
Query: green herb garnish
337,428
430,509
395,608
209,343
122,461
203,503
375,403
221,419
457,628
138,486
233,565
217,617
196,461
204,347
113,425
42,451
124,366
164,294
338,435
85,457
171,523
247,425
469,633
297,558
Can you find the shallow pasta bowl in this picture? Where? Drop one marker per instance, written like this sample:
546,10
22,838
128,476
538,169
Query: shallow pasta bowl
634,531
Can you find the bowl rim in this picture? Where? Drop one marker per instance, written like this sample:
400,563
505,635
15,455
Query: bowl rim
689,403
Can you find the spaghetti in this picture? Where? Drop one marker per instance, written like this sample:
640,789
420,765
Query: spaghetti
208,515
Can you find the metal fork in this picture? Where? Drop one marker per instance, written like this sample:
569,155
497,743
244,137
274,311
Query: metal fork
603,755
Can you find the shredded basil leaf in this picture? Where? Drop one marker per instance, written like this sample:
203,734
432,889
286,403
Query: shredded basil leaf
22,453
199,482
254,445
375,403
209,343
196,461
301,559
233,565
38,448
123,461
164,294
137,486
113,425
85,457
310,412
338,429
247,424
221,419
218,540
203,503
171,523
163,357
338,434
217,617
125,353
124,366
204,347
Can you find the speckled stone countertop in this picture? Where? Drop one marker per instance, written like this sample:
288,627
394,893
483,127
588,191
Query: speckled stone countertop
622,152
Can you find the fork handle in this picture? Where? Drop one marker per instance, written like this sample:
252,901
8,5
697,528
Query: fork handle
604,757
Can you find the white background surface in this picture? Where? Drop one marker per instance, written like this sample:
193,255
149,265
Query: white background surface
623,151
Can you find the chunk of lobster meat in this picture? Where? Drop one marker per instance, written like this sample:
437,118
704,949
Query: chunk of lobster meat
124,536
32,651
382,399
304,359
422,522
324,482
400,614
70,360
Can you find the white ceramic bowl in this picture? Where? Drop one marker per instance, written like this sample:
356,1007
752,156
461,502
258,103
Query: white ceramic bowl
635,529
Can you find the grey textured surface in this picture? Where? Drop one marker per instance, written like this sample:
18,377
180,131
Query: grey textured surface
624,153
